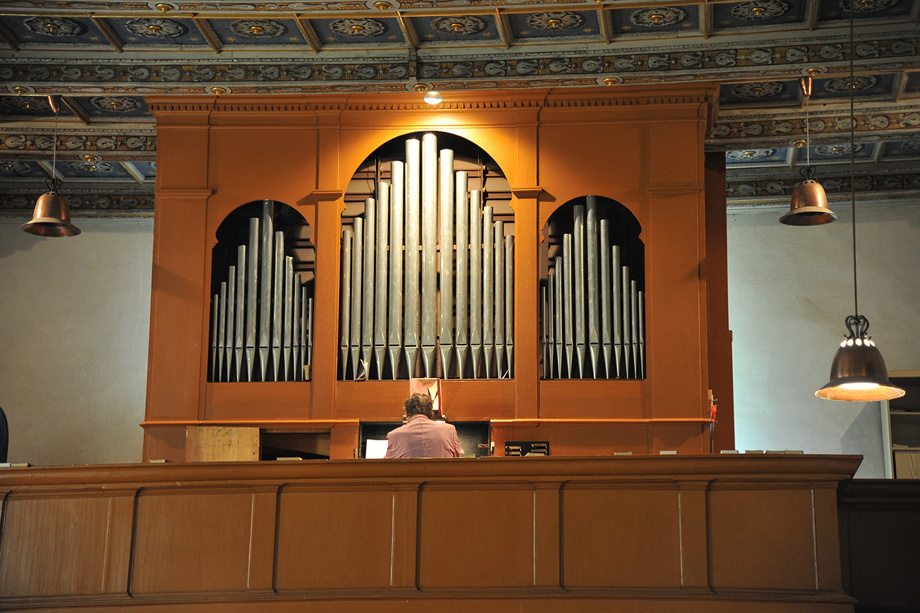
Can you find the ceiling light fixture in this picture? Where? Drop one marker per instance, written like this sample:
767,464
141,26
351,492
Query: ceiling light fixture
858,372
809,200
51,216
431,96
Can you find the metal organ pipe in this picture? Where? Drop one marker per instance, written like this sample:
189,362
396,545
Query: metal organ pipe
499,228
509,303
348,237
475,280
429,250
447,268
594,311
357,285
462,216
367,307
412,321
380,274
262,298
446,244
488,289
397,214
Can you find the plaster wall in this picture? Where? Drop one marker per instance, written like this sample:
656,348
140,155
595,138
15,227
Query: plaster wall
74,316
790,289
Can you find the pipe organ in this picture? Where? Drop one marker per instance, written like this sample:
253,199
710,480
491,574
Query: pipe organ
427,276
444,241
592,309
262,315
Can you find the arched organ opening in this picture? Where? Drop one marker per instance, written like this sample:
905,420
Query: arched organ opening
592,298
427,269
262,296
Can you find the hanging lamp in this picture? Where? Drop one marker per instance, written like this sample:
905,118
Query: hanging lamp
858,372
51,216
809,200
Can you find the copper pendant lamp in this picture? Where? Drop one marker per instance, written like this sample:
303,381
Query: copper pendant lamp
858,372
51,216
809,200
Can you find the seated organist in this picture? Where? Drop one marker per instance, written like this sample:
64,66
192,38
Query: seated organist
421,436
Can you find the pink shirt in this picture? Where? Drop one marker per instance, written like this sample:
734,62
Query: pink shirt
421,437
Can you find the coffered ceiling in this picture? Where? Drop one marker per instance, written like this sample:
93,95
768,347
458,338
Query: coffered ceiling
103,57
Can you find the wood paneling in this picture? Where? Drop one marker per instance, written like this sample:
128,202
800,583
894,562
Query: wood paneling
460,549
67,544
630,536
335,538
674,533
213,527
778,549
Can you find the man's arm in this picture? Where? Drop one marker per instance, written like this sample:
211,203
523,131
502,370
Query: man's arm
456,450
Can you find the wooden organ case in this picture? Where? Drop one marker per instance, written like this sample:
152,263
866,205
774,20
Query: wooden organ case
554,155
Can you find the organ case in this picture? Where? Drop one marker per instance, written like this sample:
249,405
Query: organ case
642,150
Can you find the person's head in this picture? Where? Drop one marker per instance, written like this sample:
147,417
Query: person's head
419,404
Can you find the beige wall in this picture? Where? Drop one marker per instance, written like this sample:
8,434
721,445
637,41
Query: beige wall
790,289
73,341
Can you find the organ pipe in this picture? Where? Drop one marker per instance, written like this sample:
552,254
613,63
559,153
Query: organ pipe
475,280
413,217
429,250
446,243
345,305
397,213
380,274
262,298
594,311
462,215
440,276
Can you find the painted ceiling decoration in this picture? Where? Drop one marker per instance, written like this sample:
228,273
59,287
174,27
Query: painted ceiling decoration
104,57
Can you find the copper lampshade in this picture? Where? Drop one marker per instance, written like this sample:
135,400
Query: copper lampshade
51,217
858,372
809,204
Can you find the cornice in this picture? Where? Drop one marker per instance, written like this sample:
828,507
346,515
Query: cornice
522,68
82,202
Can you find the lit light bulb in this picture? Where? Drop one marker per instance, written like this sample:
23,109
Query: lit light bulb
433,97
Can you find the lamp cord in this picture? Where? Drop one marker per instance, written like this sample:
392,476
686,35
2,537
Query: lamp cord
54,148
852,85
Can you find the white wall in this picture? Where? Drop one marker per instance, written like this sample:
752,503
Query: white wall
74,319
74,316
790,289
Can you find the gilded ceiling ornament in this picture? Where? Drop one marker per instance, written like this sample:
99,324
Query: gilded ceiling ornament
867,6
842,85
360,28
258,28
458,25
753,91
658,16
156,27
759,9
31,104
747,155
562,20
13,167
55,26
97,168
115,104
840,149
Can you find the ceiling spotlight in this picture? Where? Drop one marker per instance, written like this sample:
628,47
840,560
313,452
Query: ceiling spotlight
433,97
